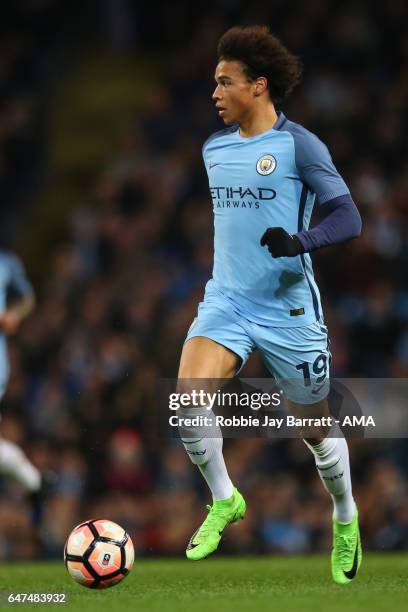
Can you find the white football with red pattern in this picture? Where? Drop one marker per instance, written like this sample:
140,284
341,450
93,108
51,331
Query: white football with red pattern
98,554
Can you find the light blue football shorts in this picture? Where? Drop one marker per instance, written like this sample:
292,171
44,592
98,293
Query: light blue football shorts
297,357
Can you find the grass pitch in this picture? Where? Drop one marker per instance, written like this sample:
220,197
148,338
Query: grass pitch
289,584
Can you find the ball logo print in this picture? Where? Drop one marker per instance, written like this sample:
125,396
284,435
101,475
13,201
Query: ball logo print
266,165
106,559
98,554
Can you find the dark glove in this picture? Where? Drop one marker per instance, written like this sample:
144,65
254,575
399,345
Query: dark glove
280,243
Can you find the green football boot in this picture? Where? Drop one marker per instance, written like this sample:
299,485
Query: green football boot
207,537
346,554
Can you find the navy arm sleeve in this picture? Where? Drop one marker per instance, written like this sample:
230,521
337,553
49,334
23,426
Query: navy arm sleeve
319,174
342,223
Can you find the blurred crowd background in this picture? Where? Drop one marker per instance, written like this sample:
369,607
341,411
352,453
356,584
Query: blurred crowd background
114,225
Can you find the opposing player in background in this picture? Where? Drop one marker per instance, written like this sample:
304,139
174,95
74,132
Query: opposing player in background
14,284
265,173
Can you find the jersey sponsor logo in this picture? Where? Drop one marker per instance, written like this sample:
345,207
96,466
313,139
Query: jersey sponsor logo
260,193
266,165
240,197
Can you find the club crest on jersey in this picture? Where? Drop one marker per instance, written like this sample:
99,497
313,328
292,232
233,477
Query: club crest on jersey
266,165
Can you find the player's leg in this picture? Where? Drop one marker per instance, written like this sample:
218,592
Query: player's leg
214,351
300,359
333,466
202,358
331,457
13,461
15,464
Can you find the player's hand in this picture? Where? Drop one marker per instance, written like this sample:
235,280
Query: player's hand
280,243
9,323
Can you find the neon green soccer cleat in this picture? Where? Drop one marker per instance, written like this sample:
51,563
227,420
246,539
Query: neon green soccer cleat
346,554
206,539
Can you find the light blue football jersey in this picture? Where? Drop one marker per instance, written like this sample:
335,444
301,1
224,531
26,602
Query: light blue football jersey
268,180
12,277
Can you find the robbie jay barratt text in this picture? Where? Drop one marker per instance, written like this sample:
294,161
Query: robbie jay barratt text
250,421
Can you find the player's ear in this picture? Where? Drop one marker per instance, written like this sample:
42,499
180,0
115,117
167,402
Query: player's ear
261,84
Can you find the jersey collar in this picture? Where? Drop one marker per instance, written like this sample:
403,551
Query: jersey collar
280,121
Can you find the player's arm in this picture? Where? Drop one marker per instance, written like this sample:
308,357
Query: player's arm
343,221
23,301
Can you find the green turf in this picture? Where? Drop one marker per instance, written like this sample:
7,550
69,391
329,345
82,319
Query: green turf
225,585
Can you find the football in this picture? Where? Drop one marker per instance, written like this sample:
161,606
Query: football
98,553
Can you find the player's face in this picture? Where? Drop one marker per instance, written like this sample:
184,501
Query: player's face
234,94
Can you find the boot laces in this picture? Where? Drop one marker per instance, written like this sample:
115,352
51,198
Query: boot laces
345,548
212,522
